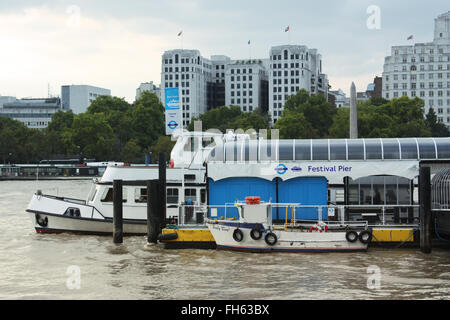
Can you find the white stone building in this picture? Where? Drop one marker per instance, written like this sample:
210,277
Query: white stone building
292,68
78,98
191,72
150,87
246,84
422,70
340,98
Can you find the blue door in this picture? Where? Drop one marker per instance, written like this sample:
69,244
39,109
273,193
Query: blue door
306,191
228,191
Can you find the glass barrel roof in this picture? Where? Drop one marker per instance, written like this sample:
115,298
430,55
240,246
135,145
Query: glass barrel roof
332,150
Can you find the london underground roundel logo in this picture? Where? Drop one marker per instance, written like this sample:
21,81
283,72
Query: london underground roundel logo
281,169
172,125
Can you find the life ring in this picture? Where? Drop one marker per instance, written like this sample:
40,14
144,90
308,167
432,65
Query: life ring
271,238
256,234
351,236
40,221
365,236
238,236
171,164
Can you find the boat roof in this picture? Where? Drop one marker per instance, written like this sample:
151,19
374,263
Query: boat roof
142,173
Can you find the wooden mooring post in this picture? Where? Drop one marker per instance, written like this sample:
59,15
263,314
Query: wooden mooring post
118,211
425,209
162,188
153,221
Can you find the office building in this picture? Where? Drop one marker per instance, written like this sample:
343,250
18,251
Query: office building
34,113
78,98
292,68
150,87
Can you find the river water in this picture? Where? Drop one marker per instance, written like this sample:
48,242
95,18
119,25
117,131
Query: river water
35,266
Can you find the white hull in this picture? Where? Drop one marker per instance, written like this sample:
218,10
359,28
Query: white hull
50,215
287,241
57,224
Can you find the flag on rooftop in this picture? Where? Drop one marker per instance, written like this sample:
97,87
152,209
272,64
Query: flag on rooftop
180,33
410,37
287,29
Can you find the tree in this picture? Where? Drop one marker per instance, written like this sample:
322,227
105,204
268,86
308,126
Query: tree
232,118
438,129
132,152
118,114
147,120
92,134
293,125
306,116
164,144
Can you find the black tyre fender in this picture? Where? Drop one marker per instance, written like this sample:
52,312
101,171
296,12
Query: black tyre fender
256,234
351,236
40,221
271,238
238,235
167,236
365,236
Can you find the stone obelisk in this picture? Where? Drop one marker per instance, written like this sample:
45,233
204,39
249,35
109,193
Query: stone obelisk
353,113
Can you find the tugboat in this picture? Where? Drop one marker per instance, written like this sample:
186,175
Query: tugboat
254,231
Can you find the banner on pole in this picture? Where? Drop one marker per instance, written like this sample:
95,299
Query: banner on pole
172,109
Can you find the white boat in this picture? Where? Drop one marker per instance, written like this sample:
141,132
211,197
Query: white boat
253,231
185,181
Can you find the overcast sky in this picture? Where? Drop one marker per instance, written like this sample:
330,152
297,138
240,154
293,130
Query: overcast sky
118,44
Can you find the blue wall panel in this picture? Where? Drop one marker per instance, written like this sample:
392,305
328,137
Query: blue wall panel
227,191
306,191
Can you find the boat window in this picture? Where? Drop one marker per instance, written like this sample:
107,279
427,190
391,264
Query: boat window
373,149
443,148
338,150
190,195
320,150
172,195
202,196
427,149
285,149
92,194
190,145
355,150
303,150
108,195
140,195
391,149
409,149
208,142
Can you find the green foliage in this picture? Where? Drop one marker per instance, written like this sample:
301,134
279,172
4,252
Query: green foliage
164,144
305,117
147,120
112,129
398,118
232,118
132,152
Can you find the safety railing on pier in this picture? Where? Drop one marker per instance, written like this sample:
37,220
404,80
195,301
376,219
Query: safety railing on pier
297,214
